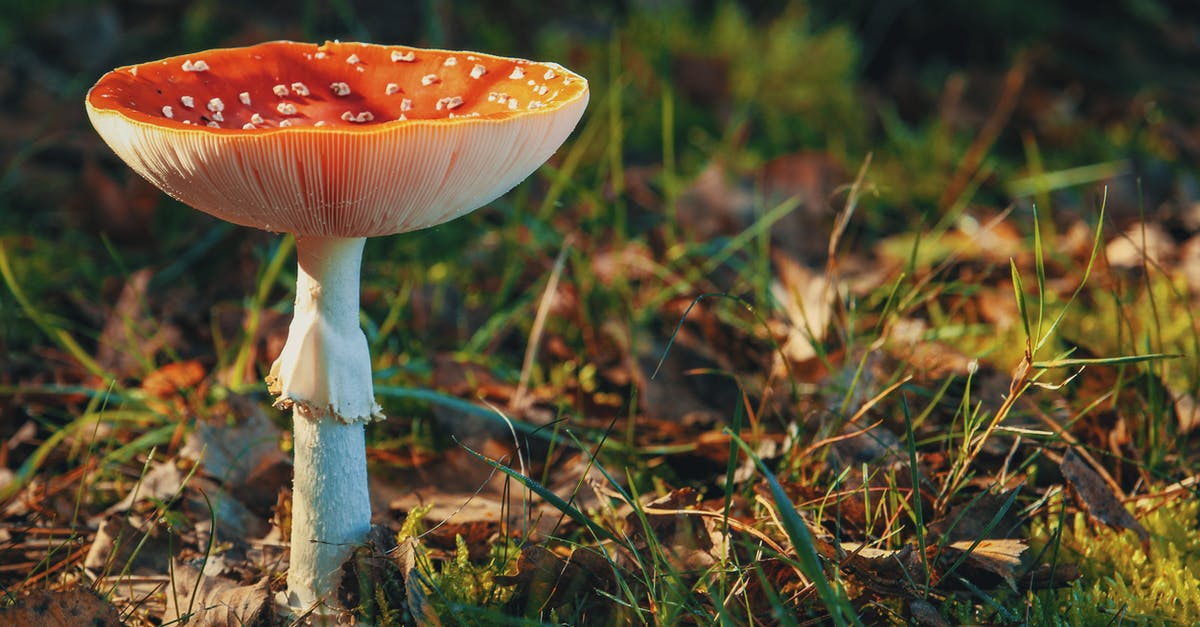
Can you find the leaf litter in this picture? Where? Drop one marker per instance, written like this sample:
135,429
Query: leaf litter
860,383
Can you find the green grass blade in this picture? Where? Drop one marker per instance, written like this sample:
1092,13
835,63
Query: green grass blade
840,609
1097,243
1022,306
60,336
1040,265
910,441
553,499
1102,361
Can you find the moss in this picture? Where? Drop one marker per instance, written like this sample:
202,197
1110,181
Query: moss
1119,578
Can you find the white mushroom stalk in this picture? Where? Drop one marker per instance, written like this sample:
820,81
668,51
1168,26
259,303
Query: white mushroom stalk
324,375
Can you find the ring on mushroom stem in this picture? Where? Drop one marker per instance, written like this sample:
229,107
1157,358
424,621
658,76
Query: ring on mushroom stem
333,143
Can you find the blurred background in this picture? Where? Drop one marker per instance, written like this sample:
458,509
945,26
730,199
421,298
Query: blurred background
703,113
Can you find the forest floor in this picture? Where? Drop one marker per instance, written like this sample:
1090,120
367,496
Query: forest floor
811,321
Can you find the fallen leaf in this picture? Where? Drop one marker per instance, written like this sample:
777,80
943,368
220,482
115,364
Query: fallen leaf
416,594
546,581
217,601
373,581
713,204
999,557
173,378
972,518
127,541
1142,243
239,448
1187,412
810,179
130,336
1097,498
807,299
61,608
163,482
924,613
885,571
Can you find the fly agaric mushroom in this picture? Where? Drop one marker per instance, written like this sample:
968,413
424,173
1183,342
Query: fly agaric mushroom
333,143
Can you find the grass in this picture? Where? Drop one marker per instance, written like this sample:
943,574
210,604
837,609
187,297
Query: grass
969,346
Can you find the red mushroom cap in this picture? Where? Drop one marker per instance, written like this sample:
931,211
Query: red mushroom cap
341,139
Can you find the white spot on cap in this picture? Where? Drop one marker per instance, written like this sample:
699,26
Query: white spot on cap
133,71
285,123
195,66
245,98
430,79
536,104
406,104
402,118
549,74
280,90
256,118
471,57
340,89
218,116
567,80
187,121
167,112
214,125
187,101
450,61
320,55
216,105
450,102
512,104
352,59
478,71
247,126
391,88
286,108
408,57
320,123
517,74
300,88
541,90
363,116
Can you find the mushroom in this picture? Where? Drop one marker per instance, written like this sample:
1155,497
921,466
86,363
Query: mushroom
333,143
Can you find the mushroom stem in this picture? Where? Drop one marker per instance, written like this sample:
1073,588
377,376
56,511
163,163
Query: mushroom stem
331,509
324,374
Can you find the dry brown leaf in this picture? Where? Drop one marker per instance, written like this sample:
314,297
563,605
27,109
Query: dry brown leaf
217,601
240,450
714,204
1000,556
973,518
128,541
807,299
129,335
1097,498
884,571
810,179
163,482
374,574
1146,242
546,581
924,613
61,608
1187,412
173,378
